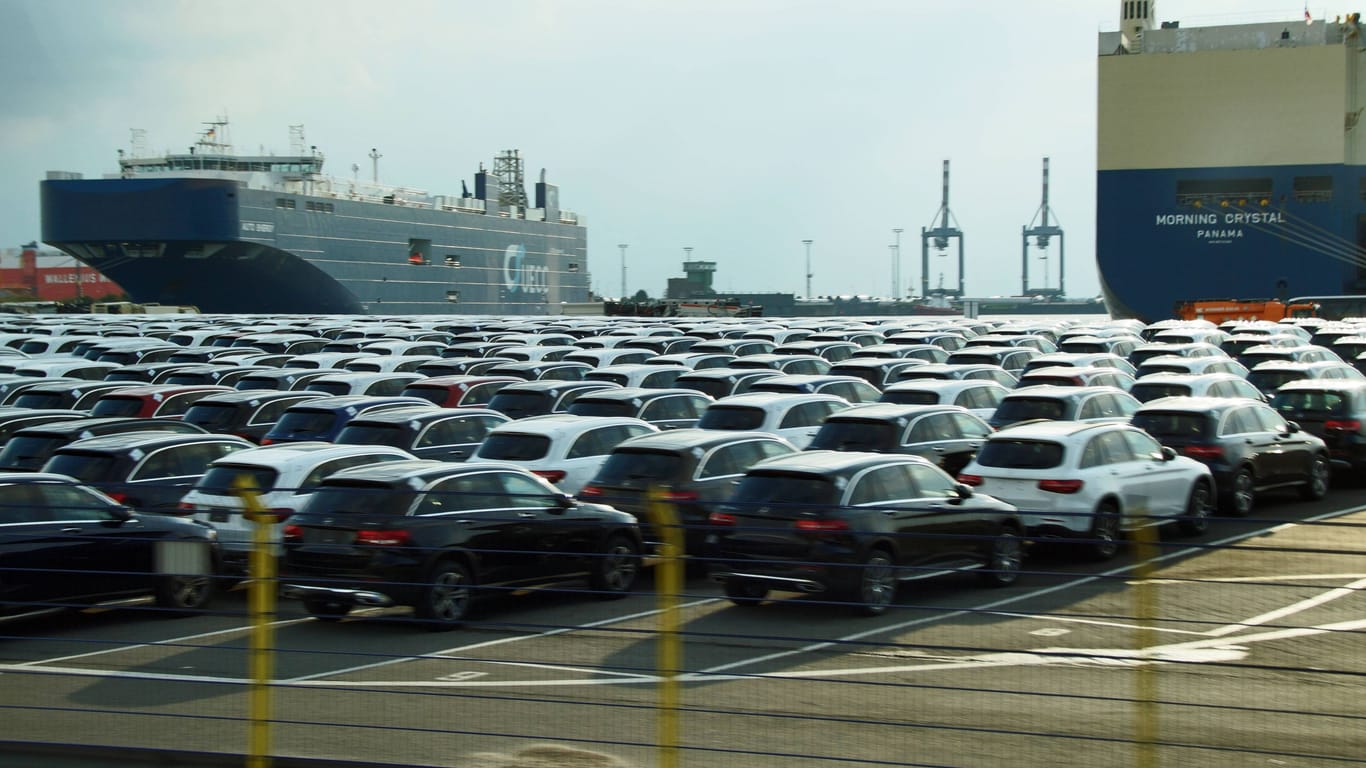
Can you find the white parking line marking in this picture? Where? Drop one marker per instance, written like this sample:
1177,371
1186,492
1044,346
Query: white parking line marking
1096,622
171,641
1251,579
1291,609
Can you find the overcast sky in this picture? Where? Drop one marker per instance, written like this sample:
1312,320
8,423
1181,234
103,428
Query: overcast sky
738,128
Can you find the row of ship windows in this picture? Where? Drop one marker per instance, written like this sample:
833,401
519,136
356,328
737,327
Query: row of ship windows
310,205
196,163
1257,191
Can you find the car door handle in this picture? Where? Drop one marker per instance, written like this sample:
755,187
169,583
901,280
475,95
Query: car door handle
71,530
526,514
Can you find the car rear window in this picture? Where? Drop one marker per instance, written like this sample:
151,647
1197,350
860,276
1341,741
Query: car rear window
90,467
1290,404
731,417
637,469
29,451
1270,381
211,416
514,446
436,395
518,404
1020,454
117,406
911,398
374,434
1025,408
332,498
1145,392
298,424
782,496
223,478
854,435
716,388
602,408
1172,424
330,387
41,400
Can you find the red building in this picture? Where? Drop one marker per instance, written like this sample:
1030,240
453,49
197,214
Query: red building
48,275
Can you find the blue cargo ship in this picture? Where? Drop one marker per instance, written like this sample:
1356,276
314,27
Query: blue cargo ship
271,234
1229,164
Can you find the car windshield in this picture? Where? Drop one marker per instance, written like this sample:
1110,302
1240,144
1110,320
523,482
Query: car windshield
1165,425
514,446
223,478
602,408
851,435
731,417
90,467
910,398
117,406
1025,408
1020,454
348,499
782,496
303,424
1296,404
1144,391
29,451
213,417
638,469
374,434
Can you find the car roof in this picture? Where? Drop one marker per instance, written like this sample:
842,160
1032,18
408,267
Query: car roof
145,440
843,462
314,451
642,393
767,399
1196,403
1047,429
236,396
97,423
687,439
556,424
341,402
891,411
420,414
401,472
1060,392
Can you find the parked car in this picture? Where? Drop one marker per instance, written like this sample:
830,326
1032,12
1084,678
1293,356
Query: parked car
1080,360
693,469
1064,404
73,395
945,435
153,400
284,476
443,434
851,389
793,417
435,536
980,397
148,471
854,526
1190,365
53,524
283,379
29,448
959,371
538,398
324,418
1010,359
1335,412
1246,444
721,382
1271,376
562,448
1154,386
248,415
222,374
15,418
1071,376
1092,482
783,363
675,408
459,391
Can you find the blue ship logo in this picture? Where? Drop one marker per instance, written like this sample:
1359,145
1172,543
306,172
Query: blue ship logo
520,277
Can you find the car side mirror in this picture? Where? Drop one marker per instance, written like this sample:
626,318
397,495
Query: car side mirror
564,501
1168,453
964,491
1291,427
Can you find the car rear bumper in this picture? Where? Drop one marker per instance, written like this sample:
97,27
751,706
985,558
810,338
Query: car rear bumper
364,597
772,581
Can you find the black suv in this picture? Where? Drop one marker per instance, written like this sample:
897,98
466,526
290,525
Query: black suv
541,397
1334,410
432,534
855,525
148,471
29,448
247,414
1247,445
946,435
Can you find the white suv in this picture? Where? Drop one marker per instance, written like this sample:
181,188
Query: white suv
1092,481
286,475
793,417
565,449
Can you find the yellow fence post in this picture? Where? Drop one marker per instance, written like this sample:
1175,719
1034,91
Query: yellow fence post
261,594
669,657
1145,637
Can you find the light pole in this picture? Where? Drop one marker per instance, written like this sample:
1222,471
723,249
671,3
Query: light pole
896,265
623,247
807,243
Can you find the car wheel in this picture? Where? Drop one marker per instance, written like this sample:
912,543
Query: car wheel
326,610
183,595
1103,541
1004,561
1238,500
876,584
615,570
1316,486
1198,510
745,593
446,599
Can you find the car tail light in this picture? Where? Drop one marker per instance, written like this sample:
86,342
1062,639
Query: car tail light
267,441
292,533
384,538
1060,486
281,513
821,525
185,507
118,496
721,518
590,491
1345,425
553,475
680,496
970,479
1204,451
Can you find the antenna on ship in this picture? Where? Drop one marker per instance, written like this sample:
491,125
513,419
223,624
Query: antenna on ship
507,168
215,137
1042,233
941,235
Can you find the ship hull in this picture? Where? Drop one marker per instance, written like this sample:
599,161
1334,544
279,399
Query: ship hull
222,247
1155,247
